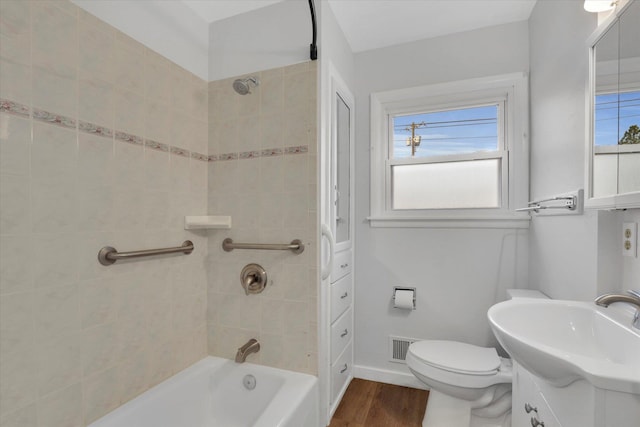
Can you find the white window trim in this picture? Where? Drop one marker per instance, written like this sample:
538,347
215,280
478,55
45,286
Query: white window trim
515,193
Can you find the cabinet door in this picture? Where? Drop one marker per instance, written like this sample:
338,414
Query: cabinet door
529,405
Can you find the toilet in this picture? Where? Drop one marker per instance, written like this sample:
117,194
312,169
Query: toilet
470,386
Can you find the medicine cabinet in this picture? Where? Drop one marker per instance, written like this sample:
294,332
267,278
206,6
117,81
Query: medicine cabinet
613,153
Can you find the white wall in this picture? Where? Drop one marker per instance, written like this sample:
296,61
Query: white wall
458,274
266,38
170,28
571,257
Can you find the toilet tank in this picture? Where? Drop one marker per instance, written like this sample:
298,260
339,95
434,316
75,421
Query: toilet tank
525,293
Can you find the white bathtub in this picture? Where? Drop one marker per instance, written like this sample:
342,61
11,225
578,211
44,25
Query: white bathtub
211,393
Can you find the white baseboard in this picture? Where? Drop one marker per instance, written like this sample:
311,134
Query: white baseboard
388,377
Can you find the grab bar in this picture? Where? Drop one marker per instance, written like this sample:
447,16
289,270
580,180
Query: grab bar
295,246
109,255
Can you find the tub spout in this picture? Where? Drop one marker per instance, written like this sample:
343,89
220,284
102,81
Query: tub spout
252,346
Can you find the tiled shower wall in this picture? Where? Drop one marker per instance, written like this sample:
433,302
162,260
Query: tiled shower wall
103,142
263,173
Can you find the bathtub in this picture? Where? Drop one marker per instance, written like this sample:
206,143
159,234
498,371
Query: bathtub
213,393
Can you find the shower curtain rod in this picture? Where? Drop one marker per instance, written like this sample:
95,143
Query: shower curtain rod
313,48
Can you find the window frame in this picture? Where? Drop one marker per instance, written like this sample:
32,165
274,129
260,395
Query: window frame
513,122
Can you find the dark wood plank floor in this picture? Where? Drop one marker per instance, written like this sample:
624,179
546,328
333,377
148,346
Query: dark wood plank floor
372,404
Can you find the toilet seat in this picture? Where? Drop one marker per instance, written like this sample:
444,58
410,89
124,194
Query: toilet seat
458,364
457,357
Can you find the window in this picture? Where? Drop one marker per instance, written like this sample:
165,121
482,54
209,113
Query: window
453,154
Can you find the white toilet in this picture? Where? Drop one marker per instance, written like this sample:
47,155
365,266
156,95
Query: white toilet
470,386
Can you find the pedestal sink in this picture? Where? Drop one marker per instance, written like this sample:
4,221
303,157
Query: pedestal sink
563,341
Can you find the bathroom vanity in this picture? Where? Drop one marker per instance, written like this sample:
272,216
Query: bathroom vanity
535,401
575,363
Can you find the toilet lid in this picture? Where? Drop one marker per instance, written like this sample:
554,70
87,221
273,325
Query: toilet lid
457,357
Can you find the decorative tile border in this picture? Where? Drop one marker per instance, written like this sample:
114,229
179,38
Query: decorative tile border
155,145
55,119
249,155
179,151
127,137
228,156
198,156
270,152
7,106
301,149
11,107
94,129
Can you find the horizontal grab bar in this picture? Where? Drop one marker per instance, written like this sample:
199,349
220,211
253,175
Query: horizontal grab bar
295,246
109,255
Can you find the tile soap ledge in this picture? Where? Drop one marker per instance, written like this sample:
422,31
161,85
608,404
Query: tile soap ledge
207,221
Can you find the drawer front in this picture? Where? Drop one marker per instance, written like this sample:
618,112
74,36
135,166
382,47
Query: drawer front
340,373
342,265
341,334
340,297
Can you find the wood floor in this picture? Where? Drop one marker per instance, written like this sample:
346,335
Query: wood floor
372,404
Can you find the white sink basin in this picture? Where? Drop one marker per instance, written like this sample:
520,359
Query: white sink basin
563,341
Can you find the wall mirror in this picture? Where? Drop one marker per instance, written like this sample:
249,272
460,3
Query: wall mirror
613,180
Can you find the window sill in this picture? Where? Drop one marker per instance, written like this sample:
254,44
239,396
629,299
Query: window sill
506,221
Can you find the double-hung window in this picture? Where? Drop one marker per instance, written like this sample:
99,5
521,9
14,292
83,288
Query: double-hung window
453,154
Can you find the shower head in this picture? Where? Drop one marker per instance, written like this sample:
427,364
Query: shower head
243,86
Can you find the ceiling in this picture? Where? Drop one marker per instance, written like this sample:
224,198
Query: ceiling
372,24
215,10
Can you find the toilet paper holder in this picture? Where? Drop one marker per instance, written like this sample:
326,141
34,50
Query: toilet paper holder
403,288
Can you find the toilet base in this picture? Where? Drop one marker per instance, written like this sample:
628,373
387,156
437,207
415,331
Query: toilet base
446,411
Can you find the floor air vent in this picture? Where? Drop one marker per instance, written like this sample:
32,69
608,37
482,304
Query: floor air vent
398,347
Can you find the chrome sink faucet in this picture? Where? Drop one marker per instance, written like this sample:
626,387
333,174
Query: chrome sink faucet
632,298
252,346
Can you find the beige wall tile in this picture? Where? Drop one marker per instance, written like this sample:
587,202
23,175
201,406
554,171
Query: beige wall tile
25,417
95,168
158,77
156,169
129,112
62,408
51,265
53,208
100,395
54,93
94,209
15,270
57,311
96,49
15,35
96,104
17,332
53,155
54,35
128,171
15,81
59,363
133,376
98,301
15,144
157,121
128,66
99,349
18,382
14,204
